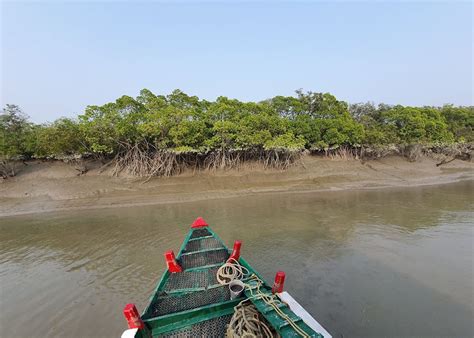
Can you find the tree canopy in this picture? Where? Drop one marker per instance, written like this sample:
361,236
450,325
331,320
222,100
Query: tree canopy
181,124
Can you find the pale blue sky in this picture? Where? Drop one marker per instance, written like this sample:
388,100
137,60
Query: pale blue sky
59,57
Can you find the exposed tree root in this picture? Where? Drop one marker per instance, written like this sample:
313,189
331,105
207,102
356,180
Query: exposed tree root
445,162
80,166
144,160
412,152
7,169
344,153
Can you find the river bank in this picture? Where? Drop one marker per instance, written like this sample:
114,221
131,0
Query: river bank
43,186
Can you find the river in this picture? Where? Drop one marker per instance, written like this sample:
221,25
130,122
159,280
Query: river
388,262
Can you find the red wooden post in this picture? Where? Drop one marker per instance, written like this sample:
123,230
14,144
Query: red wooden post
279,282
236,251
199,223
171,262
133,317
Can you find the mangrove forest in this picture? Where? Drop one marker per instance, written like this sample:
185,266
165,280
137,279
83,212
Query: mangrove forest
160,135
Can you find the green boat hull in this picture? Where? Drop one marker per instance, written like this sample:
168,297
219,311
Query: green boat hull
191,303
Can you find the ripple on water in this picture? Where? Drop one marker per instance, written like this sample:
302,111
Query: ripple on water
367,263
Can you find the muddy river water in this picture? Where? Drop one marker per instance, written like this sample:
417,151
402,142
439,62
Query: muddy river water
389,262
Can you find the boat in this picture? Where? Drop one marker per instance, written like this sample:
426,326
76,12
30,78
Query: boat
208,290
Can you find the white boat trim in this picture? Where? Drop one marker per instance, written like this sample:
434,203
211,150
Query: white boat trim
130,333
303,314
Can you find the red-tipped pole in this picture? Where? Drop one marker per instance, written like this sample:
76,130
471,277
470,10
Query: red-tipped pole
199,223
171,262
279,282
133,317
236,251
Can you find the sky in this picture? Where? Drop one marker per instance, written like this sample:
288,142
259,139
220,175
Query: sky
59,57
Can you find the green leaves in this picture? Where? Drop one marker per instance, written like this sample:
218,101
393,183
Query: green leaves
408,125
185,124
63,137
417,125
189,134
17,135
99,126
460,121
286,141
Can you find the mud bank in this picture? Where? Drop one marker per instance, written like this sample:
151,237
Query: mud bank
50,186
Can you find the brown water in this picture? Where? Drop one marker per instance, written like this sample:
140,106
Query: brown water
392,262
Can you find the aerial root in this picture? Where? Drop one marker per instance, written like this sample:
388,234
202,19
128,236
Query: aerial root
7,169
144,160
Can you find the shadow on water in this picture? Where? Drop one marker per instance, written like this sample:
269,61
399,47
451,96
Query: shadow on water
392,262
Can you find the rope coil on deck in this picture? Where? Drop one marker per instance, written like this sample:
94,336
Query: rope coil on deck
230,271
246,322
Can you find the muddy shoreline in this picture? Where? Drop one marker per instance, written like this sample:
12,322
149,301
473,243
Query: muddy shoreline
53,186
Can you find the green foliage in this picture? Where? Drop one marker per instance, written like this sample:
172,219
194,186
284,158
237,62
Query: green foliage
17,135
180,123
320,120
286,141
404,125
99,127
460,122
307,128
63,137
417,125
224,135
189,134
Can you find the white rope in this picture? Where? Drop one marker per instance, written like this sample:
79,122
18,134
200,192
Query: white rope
230,271
246,322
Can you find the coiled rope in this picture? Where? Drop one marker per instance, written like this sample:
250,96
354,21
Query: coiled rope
231,270
246,322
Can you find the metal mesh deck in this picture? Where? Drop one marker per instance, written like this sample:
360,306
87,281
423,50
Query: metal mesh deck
203,244
215,327
166,304
188,290
191,279
203,258
200,233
